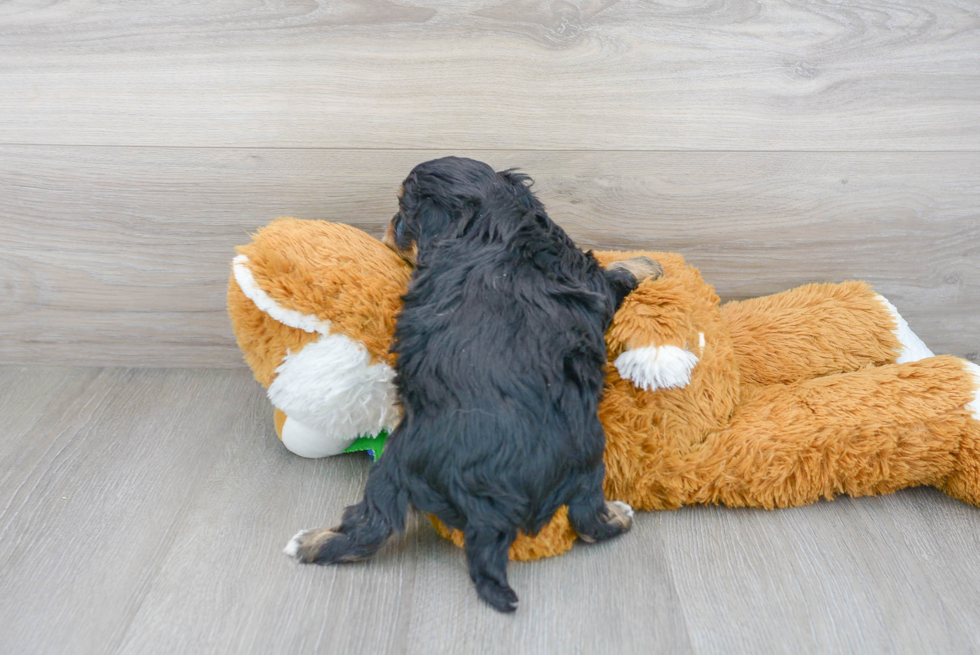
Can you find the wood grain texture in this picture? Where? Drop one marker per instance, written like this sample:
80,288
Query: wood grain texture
149,508
935,529
121,255
615,597
27,396
227,587
226,583
515,74
842,572
107,473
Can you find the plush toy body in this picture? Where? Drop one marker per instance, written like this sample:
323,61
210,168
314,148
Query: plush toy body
771,402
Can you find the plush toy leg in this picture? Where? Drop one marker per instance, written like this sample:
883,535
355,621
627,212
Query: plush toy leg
869,432
964,483
912,347
816,330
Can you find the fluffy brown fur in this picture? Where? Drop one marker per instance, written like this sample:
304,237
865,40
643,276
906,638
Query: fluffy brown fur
796,396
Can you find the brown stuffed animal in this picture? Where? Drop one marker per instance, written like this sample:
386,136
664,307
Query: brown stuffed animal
771,402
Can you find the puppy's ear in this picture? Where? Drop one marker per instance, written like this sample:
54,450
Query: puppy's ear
522,185
466,215
437,221
514,178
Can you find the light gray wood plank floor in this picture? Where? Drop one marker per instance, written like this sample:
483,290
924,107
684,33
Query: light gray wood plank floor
144,510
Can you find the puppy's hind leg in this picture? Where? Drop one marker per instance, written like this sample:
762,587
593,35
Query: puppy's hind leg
365,527
487,551
593,517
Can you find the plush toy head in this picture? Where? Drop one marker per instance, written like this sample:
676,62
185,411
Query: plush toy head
313,306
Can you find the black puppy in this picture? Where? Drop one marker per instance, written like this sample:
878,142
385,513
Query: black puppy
501,354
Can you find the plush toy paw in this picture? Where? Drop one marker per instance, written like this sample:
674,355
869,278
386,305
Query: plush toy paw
975,405
657,367
913,348
305,441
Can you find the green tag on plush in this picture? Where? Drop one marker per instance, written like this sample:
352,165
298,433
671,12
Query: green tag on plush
372,445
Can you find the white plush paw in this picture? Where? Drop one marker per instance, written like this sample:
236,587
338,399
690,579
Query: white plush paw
623,507
657,367
975,405
913,348
305,441
292,548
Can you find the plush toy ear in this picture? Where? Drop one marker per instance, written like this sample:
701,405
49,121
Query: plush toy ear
654,340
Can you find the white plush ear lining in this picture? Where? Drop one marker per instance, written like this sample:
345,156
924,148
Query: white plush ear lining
292,318
658,367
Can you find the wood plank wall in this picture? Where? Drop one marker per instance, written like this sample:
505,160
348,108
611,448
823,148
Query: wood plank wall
773,143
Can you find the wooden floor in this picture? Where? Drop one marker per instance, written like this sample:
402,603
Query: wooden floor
144,510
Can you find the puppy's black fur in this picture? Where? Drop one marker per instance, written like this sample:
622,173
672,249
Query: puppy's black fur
500,370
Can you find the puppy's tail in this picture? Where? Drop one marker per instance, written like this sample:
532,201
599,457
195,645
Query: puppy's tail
365,527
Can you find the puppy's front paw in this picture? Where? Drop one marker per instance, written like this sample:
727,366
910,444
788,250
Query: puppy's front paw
642,268
308,546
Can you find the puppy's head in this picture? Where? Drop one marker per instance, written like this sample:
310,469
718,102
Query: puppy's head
444,198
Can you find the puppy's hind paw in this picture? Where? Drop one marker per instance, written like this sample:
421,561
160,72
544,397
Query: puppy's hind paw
619,517
500,597
320,546
292,548
621,508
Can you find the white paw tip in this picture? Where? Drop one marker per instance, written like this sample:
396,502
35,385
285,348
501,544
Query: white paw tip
623,507
657,367
305,441
975,405
292,548
913,348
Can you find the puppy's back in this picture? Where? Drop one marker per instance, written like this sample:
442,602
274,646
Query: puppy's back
500,367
